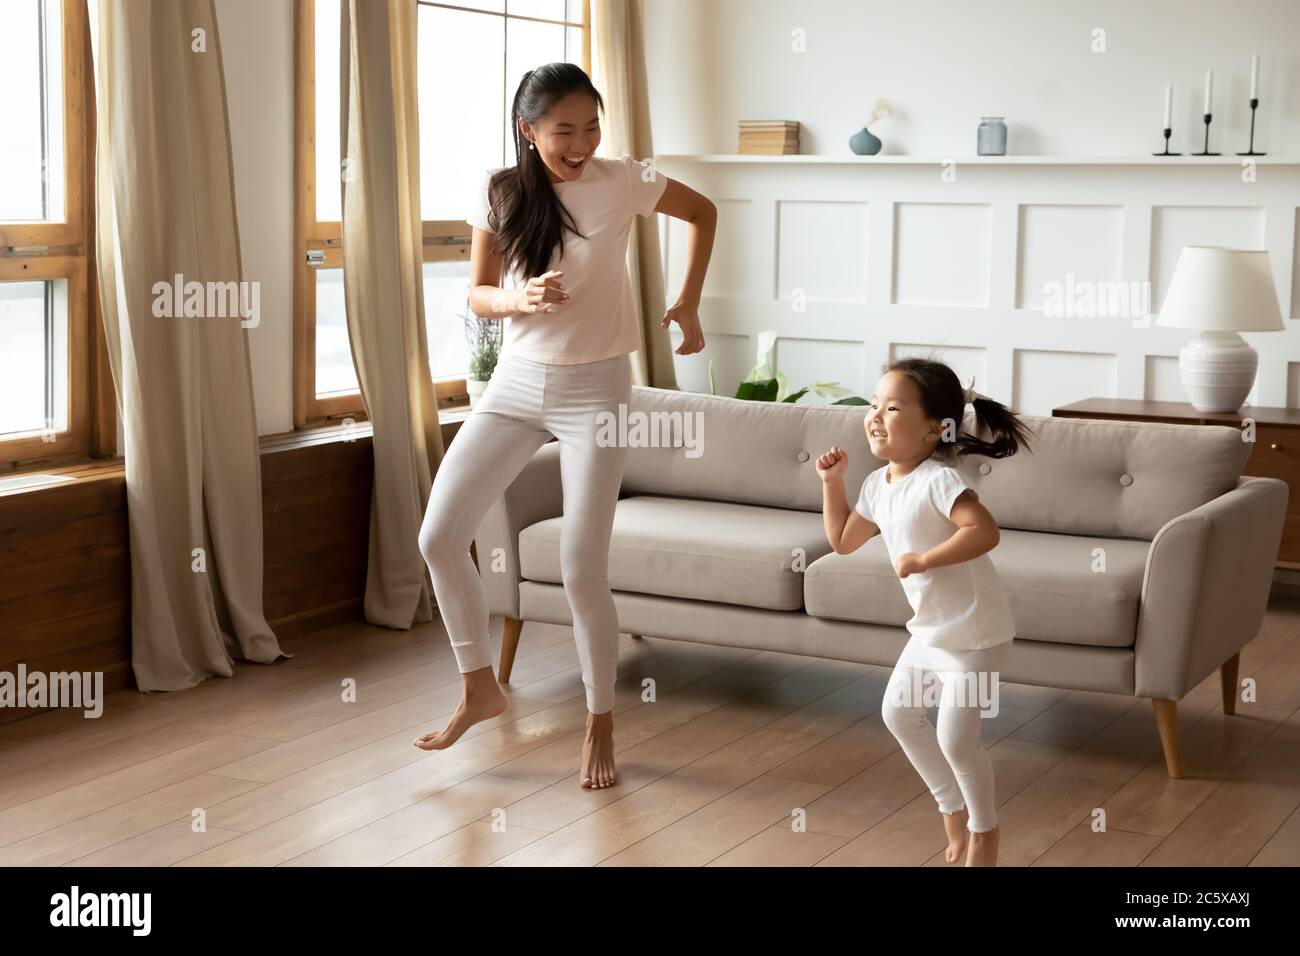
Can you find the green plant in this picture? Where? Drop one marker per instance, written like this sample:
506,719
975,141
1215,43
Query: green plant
765,384
484,337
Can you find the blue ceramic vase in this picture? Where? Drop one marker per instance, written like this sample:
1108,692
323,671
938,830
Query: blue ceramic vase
864,142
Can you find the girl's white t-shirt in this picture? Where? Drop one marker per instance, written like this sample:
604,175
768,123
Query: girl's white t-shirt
599,320
957,607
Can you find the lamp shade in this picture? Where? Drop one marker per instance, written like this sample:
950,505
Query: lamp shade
1224,290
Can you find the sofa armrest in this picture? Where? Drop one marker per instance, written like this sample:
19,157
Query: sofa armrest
533,496
1206,586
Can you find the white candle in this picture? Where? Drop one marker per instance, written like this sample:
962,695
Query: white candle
1169,105
1254,77
1209,90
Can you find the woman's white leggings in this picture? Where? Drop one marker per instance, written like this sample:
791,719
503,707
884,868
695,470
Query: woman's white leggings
524,404
952,761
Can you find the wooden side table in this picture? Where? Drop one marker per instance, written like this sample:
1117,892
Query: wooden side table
1276,453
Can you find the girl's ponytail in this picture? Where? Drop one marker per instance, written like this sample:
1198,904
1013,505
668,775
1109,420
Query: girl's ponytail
1008,434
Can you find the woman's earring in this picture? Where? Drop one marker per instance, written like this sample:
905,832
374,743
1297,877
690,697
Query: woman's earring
530,145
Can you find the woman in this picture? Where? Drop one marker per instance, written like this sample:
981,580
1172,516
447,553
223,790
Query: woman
557,222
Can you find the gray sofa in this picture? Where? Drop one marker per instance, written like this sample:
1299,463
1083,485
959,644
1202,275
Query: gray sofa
1135,556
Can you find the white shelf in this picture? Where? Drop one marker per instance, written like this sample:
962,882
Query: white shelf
848,159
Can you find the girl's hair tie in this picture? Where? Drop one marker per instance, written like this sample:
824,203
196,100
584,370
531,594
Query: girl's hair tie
968,394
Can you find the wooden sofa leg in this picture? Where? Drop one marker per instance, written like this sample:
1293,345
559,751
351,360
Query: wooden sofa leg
509,644
1170,738
1228,678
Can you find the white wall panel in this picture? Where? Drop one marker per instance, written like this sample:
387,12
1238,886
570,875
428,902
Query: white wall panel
1173,227
804,361
941,254
1046,380
1067,245
822,251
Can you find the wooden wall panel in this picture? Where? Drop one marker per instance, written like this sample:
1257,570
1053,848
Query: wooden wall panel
65,581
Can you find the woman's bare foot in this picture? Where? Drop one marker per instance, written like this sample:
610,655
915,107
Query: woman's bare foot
954,824
983,849
598,752
480,699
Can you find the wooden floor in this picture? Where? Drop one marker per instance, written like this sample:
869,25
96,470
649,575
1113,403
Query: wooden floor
712,772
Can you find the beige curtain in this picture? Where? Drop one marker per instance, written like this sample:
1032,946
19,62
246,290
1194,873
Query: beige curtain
384,292
165,207
620,75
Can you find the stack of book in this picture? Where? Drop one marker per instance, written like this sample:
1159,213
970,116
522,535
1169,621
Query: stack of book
769,137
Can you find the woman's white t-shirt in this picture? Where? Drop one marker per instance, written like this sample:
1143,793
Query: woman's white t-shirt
957,607
599,319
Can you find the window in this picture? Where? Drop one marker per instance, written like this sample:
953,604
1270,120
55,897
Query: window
50,367
31,62
464,110
34,361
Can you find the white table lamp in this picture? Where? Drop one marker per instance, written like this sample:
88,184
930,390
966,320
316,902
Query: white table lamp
1220,293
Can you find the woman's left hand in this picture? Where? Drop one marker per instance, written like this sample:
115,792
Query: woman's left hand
909,563
687,317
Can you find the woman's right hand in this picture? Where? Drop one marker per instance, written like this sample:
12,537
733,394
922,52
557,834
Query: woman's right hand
833,464
542,293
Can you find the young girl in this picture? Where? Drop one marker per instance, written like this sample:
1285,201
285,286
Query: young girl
938,536
557,222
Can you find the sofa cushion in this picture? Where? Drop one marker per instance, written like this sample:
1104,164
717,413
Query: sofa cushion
731,449
704,550
1060,587
1108,478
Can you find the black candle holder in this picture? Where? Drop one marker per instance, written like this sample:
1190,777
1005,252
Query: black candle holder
1206,151
1168,133
1254,105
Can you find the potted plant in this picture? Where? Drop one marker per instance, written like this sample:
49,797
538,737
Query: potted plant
484,337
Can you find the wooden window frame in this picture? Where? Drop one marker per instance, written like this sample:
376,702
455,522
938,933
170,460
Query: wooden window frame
443,240
43,251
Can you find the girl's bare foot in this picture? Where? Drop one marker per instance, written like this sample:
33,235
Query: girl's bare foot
480,699
983,849
954,824
598,752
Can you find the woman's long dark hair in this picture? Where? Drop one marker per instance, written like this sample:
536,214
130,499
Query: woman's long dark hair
942,399
525,213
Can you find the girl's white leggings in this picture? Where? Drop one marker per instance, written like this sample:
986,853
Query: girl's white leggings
524,404
951,760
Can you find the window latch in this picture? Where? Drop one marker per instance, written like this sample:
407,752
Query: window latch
315,257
